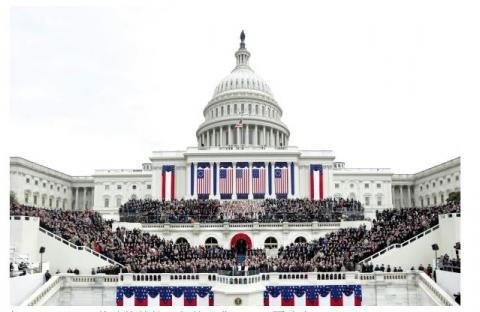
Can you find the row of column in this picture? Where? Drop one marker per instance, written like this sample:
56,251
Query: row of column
250,180
405,200
84,191
261,135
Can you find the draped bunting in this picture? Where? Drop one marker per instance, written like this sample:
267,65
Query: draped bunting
165,296
168,182
330,295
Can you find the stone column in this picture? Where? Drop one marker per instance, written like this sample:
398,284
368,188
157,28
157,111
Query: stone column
76,198
278,138
247,135
255,135
272,140
409,197
289,180
393,196
238,136
220,136
195,195
207,133
84,198
401,196
264,136
229,138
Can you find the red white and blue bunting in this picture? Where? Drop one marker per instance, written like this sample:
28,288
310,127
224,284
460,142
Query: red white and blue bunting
165,296
331,295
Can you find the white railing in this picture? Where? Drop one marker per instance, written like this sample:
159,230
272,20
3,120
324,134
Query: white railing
400,245
438,295
85,248
54,284
233,225
47,290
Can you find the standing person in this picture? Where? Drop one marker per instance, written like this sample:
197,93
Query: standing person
47,276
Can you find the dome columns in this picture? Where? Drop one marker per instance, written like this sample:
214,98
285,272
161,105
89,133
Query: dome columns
250,135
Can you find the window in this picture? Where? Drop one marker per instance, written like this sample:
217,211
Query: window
43,201
181,240
448,180
34,199
36,182
428,186
337,185
64,191
351,185
421,188
26,198
379,201
457,178
107,187
300,239
58,188
211,242
367,201
134,187
119,201
119,187
106,202
44,184
367,185
441,182
51,186
50,202
379,185
271,242
134,197
433,184
27,180
149,186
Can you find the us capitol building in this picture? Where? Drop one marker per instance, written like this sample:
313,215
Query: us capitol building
243,152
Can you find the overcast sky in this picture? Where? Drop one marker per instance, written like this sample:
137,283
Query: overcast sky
103,87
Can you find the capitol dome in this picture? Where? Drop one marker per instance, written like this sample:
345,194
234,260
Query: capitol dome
242,112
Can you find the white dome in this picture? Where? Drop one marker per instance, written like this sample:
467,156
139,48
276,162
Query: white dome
242,79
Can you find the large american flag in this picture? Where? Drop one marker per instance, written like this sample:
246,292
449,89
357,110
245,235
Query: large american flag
203,181
226,181
258,181
281,180
165,296
329,295
242,179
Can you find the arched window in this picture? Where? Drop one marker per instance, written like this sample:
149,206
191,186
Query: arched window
300,239
134,196
271,242
211,242
181,240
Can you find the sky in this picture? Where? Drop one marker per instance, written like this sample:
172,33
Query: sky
382,85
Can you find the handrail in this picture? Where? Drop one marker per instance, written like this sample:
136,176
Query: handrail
43,291
436,292
400,245
87,249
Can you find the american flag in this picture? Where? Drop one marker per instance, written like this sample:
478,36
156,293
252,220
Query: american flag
328,295
239,124
203,181
226,181
258,180
165,296
281,181
242,179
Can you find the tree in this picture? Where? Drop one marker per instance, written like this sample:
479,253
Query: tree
454,197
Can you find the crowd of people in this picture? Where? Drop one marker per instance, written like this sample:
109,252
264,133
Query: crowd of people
213,211
448,263
143,252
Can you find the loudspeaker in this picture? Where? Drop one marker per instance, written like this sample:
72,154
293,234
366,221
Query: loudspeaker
42,249
435,247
